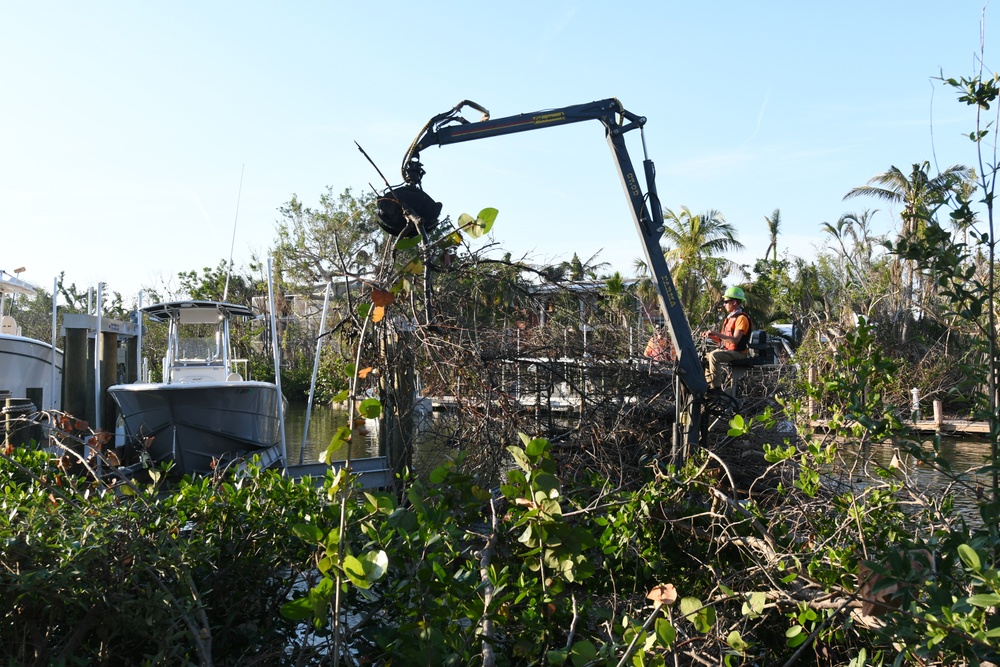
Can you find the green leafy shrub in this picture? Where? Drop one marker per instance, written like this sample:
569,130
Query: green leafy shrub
143,574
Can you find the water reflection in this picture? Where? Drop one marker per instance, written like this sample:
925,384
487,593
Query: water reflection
964,458
323,424
431,445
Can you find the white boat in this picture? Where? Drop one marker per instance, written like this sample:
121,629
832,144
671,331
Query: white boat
204,411
29,368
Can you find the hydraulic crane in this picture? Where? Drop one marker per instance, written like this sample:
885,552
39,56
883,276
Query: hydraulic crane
418,209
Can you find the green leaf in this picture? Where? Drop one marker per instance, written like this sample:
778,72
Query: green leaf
332,539
969,557
363,309
537,447
703,618
439,474
482,224
556,657
297,610
308,532
736,642
985,600
342,396
547,484
408,243
797,639
737,427
384,503
376,564
520,458
355,571
754,606
583,652
337,441
666,634
689,606
370,408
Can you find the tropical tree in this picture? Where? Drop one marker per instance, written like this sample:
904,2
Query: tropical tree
695,244
920,195
619,299
577,269
222,283
858,267
773,224
340,238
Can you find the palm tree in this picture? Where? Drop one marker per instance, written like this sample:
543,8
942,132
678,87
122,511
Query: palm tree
773,223
694,246
920,196
619,298
576,269
857,262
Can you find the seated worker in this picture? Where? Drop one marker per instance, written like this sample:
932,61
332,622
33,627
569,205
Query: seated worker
659,348
733,339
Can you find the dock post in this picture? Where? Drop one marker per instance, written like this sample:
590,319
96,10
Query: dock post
938,415
35,395
14,430
74,398
109,376
398,400
131,359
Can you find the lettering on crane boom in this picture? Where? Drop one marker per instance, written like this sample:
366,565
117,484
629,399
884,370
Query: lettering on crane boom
548,118
633,184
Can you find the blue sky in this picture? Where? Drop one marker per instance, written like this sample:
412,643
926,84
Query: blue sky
125,127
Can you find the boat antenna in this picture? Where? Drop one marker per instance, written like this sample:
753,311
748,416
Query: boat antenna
229,266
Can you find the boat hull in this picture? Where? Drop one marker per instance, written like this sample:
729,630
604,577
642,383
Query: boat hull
26,366
195,424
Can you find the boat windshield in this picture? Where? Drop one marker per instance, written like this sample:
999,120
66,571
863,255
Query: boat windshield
199,343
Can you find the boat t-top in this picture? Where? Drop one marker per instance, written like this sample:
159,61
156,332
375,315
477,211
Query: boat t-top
204,411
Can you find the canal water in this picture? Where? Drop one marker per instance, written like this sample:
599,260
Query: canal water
323,424
963,455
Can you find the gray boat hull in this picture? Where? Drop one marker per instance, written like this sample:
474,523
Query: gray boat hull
26,364
196,424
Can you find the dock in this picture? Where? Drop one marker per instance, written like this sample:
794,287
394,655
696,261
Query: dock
372,472
954,427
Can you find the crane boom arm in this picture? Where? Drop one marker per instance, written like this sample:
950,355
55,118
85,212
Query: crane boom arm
450,127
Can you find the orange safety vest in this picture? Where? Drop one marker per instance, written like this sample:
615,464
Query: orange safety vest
738,321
